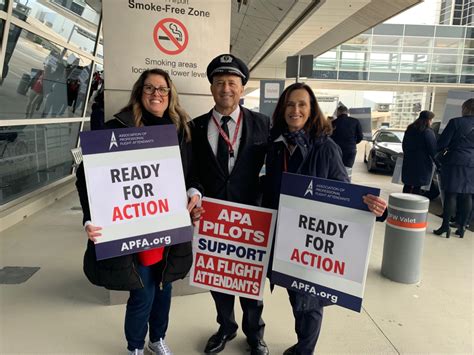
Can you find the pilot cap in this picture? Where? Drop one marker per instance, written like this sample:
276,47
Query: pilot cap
227,64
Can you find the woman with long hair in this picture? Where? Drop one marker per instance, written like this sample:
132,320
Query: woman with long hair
419,149
300,143
148,274
457,169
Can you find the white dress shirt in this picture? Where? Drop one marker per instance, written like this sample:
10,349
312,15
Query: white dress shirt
213,133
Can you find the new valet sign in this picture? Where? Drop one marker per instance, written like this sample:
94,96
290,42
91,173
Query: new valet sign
180,37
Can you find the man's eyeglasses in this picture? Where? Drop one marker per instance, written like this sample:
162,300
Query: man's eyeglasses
150,90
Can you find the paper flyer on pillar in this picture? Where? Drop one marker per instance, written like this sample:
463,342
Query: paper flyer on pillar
323,239
136,189
231,248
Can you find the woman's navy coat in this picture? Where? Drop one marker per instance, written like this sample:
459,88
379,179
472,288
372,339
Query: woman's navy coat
419,148
457,171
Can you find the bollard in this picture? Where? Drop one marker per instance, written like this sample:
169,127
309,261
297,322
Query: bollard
404,237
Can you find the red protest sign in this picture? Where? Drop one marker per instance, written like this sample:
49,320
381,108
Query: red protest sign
244,225
170,36
231,248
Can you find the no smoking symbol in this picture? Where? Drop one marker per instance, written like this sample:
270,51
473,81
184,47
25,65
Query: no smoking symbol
170,36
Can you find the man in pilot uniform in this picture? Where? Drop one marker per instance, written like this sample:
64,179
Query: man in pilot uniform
229,146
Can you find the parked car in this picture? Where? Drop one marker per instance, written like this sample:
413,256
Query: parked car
382,151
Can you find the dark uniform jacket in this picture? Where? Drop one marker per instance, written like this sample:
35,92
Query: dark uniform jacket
419,149
242,184
457,170
347,134
120,273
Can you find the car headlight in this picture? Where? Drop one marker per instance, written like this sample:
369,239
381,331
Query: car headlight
380,154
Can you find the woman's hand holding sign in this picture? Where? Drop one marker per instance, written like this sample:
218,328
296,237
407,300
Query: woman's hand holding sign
377,205
93,232
195,209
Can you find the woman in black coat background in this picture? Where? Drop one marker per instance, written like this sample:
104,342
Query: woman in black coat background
457,169
419,149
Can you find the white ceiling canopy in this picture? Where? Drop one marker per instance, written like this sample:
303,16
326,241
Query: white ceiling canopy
265,32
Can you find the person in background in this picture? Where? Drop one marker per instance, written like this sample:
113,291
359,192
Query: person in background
97,114
419,149
36,94
300,144
229,145
347,133
153,101
457,169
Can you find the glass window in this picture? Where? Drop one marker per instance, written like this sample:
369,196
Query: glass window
326,60
414,78
385,44
414,63
34,156
444,68
75,21
354,47
469,47
359,40
417,45
324,74
352,75
443,78
328,55
470,32
450,31
447,43
320,64
384,61
100,46
468,59
385,41
100,49
383,76
96,85
389,29
353,60
467,79
448,59
3,5
417,30
390,137
41,79
468,69
358,43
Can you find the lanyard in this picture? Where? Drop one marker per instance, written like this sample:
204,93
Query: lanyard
230,145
